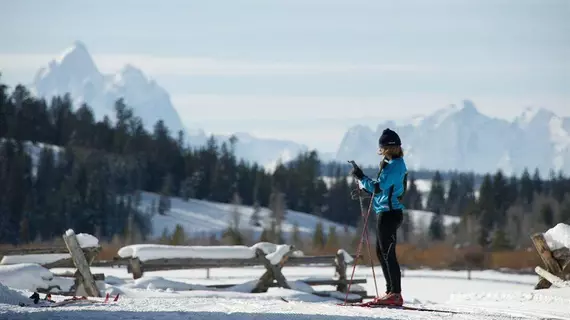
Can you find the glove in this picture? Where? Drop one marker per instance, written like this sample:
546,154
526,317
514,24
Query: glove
357,172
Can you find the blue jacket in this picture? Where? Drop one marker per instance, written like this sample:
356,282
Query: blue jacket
392,183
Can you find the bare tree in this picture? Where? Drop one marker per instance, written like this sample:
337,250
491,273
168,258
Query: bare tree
278,209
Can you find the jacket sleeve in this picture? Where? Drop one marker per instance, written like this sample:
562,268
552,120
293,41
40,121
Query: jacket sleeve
370,185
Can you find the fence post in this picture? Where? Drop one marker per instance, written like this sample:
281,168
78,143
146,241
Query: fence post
340,270
86,278
136,268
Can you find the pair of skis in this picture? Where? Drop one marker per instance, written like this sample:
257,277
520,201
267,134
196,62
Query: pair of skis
371,304
48,303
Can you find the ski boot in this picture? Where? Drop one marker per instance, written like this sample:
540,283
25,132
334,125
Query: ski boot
390,299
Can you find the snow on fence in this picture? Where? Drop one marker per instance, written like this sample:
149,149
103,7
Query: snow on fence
148,257
79,252
553,246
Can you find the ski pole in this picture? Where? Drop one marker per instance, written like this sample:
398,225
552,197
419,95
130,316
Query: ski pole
358,251
364,235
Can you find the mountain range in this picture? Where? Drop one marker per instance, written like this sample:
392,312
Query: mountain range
457,137
76,73
461,138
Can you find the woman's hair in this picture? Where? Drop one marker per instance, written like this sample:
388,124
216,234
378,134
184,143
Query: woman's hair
394,151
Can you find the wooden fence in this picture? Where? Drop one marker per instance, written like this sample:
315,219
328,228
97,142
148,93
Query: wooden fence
557,263
70,256
272,277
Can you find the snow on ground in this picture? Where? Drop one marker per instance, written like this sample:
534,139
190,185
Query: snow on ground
11,296
27,276
165,295
421,219
31,276
200,217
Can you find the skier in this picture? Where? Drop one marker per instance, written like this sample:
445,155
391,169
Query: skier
388,190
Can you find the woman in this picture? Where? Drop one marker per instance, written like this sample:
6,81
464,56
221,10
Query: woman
388,191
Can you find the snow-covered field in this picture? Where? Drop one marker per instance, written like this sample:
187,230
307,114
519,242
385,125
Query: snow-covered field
200,217
184,294
168,295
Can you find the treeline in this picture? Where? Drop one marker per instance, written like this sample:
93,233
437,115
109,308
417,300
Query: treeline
90,174
61,168
501,214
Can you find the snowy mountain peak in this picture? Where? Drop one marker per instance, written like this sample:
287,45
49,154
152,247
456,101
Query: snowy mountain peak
532,115
75,72
469,107
76,60
459,137
132,75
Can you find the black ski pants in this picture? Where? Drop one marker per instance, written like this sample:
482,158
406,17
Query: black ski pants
388,224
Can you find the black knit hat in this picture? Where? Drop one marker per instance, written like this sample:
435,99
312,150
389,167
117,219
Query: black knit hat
389,138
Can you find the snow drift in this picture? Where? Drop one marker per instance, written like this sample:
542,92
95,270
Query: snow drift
9,296
25,276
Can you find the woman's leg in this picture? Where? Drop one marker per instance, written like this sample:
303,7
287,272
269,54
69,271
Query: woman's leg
388,227
380,256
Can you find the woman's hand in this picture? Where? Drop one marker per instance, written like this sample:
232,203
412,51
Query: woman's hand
356,171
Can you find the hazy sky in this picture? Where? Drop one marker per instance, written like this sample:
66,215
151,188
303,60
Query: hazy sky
307,70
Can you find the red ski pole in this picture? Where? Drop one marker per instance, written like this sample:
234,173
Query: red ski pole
364,235
358,251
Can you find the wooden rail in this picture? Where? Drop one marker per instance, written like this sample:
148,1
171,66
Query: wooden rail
272,277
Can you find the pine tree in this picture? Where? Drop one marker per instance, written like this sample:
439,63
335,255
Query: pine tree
296,236
179,236
255,219
500,240
537,183
487,209
319,239
436,197
413,198
332,238
565,211
500,199
526,187
452,200
436,227
547,214
164,237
